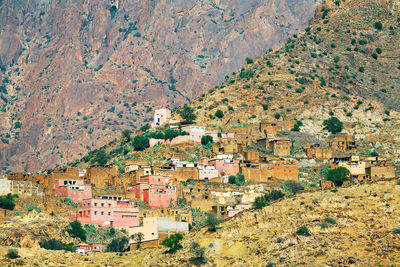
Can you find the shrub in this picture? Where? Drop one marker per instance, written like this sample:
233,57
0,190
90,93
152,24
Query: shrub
12,254
206,139
75,230
232,179
303,230
118,244
171,134
219,114
187,113
259,203
246,74
34,207
140,142
212,222
101,157
199,257
172,243
333,125
7,202
378,50
145,127
17,125
127,134
378,25
338,175
277,116
396,231
294,187
54,244
329,220
265,106
361,69
274,195
249,60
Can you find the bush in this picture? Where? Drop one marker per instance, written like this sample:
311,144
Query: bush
118,244
265,106
396,231
378,25
338,175
277,116
101,157
12,254
187,113
246,74
303,230
140,142
75,230
212,222
172,243
54,244
330,220
232,179
274,195
199,254
259,203
249,60
145,127
333,125
127,134
171,134
219,114
206,139
294,187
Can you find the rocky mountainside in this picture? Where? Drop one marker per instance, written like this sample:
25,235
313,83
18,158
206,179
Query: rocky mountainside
350,227
74,73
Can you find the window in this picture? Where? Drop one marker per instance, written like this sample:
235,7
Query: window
102,204
109,213
95,213
95,204
102,213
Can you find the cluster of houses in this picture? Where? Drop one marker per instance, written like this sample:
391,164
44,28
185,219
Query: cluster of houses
155,200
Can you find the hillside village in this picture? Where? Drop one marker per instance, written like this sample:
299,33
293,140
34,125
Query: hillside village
254,154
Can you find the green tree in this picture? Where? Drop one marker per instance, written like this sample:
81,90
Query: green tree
199,257
172,243
338,175
277,116
259,203
240,179
187,113
333,125
7,202
294,187
140,142
232,179
75,230
101,157
219,114
303,230
145,127
249,60
212,222
12,254
274,195
127,134
118,244
378,25
171,134
206,139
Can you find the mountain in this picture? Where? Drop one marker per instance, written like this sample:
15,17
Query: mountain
74,73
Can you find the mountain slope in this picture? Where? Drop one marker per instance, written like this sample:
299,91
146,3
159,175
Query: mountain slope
75,73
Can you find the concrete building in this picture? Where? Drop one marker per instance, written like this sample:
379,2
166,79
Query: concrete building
5,186
161,116
342,142
76,190
317,151
108,211
89,248
208,172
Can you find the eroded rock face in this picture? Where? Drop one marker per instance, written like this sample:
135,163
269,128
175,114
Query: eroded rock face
107,63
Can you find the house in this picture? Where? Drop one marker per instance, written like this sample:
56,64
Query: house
225,164
175,214
195,132
108,211
89,248
161,116
268,128
76,190
342,142
24,188
381,172
101,176
354,164
155,190
5,186
280,147
271,172
317,151
208,172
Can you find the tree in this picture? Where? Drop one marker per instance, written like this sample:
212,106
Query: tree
232,179
249,60
7,202
338,175
101,157
212,222
274,195
145,127
199,254
219,114
277,116
259,203
378,25
138,238
172,243
206,139
187,113
240,179
75,230
333,125
171,134
127,134
118,244
303,230
140,142
294,187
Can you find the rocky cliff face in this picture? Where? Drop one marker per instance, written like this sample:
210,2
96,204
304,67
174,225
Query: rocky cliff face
74,73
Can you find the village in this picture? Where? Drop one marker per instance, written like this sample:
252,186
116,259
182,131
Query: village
152,201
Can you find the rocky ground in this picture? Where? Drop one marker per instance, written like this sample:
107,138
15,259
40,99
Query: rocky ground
365,217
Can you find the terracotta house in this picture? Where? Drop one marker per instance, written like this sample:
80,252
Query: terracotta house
280,147
317,151
224,165
76,190
195,132
342,142
109,211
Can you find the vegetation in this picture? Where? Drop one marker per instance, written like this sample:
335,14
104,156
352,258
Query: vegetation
206,139
172,243
140,142
294,187
54,244
212,222
237,180
333,125
118,244
187,113
199,257
101,157
12,254
249,60
261,202
338,175
396,231
75,230
219,114
303,230
126,134
7,202
145,127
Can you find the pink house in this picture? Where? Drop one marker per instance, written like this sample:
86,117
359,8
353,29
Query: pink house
161,116
76,190
238,208
89,248
195,132
207,172
155,190
227,166
110,211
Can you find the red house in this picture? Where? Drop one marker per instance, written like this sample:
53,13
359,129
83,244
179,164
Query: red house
155,190
76,190
89,248
110,211
227,165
